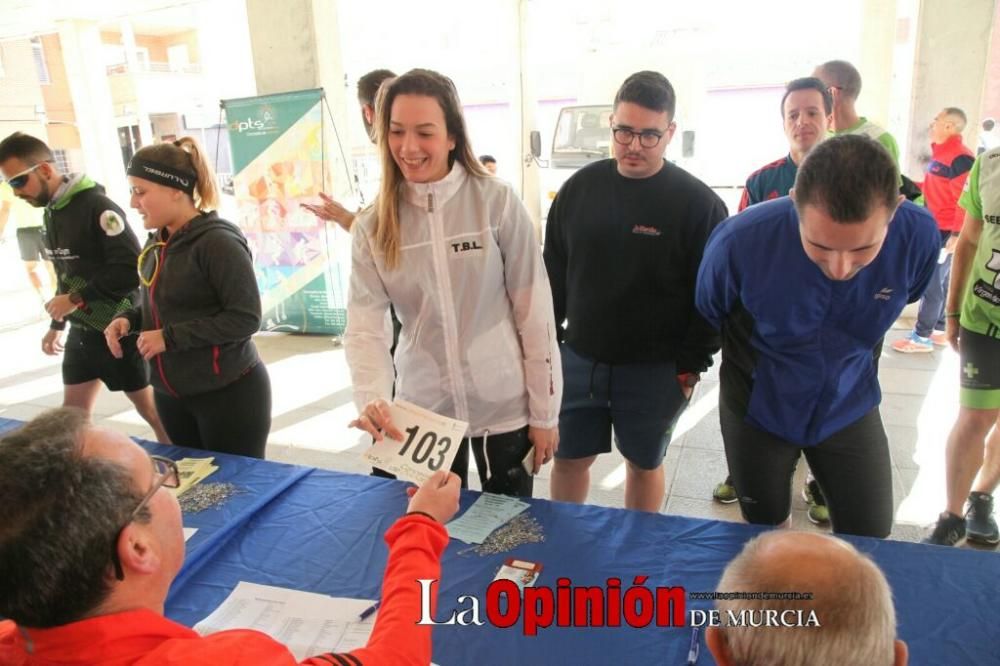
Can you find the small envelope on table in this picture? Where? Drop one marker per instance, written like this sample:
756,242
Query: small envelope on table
520,571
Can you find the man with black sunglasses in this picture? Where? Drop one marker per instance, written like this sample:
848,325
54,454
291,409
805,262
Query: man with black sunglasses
92,540
623,241
94,253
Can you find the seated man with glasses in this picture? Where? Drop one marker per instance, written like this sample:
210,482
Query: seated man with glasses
623,241
91,541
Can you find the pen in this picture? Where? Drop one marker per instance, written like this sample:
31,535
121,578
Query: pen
368,612
695,646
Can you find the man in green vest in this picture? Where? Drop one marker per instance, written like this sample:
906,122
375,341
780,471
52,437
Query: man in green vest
844,83
972,457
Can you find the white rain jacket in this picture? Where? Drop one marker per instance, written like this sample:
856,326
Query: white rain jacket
478,340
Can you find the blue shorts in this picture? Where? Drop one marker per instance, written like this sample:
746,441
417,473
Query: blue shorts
641,402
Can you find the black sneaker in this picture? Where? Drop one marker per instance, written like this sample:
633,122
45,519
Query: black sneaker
949,531
980,525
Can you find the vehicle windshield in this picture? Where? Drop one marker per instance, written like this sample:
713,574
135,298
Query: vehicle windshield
583,135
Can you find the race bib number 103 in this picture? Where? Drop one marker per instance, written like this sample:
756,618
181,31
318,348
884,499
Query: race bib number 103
430,442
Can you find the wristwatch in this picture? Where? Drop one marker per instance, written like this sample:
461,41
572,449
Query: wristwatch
76,298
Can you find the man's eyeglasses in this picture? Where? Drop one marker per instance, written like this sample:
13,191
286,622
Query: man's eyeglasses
647,138
17,181
165,474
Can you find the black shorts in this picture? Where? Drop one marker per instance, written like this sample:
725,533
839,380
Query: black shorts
31,243
980,370
87,358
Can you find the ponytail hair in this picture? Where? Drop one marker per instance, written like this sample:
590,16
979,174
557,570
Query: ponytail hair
185,154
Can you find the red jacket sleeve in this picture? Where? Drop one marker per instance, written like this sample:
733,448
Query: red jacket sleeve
415,546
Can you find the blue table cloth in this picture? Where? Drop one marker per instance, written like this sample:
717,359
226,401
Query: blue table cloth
321,531
324,535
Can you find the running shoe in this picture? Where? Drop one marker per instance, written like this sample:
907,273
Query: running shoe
725,492
819,513
949,530
939,338
980,525
913,344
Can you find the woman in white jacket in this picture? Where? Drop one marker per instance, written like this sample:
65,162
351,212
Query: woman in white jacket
453,250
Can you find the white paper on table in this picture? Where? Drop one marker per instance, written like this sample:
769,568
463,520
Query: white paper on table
487,514
307,623
189,532
430,443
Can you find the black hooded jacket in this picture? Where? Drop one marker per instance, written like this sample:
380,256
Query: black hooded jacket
199,288
93,251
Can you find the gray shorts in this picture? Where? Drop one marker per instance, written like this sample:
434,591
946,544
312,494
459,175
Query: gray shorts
31,243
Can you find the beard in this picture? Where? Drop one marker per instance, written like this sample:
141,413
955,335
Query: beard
43,198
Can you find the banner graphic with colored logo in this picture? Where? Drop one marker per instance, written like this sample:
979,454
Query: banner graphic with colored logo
278,163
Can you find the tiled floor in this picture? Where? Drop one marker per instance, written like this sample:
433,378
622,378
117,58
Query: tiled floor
312,406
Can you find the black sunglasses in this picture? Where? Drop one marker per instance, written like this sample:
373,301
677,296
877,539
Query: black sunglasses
17,181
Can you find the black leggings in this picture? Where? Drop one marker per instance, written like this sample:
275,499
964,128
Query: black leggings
234,419
852,467
498,462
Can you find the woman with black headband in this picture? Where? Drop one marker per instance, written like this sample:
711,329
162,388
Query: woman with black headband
200,305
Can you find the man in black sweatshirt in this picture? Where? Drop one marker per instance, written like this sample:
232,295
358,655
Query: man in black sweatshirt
94,253
623,242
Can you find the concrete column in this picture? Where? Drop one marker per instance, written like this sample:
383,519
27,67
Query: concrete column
138,110
525,103
295,46
128,43
145,126
95,117
904,75
951,60
991,85
225,62
878,29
